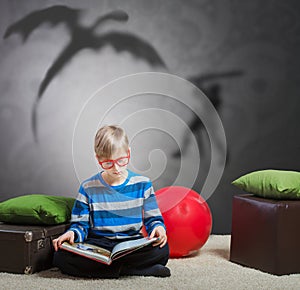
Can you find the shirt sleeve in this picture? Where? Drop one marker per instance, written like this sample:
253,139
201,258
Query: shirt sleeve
80,219
152,215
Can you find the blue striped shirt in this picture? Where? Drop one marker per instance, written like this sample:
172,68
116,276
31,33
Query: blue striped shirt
115,212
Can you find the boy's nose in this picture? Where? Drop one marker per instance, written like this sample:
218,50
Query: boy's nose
116,166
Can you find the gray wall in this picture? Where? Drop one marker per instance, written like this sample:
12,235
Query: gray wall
259,41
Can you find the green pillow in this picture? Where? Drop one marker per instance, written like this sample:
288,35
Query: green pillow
37,209
277,184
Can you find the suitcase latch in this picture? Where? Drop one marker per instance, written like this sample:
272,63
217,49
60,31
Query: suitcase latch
40,244
28,236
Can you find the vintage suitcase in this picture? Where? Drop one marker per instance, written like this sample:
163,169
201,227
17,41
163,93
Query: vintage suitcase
27,249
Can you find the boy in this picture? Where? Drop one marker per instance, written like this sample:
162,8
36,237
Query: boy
111,207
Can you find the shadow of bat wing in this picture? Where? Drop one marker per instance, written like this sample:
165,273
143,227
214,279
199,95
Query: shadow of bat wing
128,42
199,79
52,15
57,66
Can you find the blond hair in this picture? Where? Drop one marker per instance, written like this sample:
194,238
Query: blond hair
108,139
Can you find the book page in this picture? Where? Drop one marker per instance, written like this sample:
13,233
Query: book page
128,246
89,251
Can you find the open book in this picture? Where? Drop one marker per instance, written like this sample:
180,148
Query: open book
104,256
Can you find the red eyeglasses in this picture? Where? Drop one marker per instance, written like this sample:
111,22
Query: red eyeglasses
108,164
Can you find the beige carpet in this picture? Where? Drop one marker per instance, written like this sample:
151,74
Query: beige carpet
210,269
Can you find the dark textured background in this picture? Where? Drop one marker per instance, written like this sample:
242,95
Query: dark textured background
259,108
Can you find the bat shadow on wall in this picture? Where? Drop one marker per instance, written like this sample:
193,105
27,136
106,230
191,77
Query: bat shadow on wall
209,85
81,38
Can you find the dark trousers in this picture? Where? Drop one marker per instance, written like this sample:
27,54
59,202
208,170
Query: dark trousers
76,265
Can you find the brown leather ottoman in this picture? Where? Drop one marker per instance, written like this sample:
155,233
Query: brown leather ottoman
266,234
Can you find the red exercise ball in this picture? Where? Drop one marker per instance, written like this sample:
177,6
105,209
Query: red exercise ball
187,218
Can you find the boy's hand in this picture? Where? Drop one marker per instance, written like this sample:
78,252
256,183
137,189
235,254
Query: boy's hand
66,237
159,232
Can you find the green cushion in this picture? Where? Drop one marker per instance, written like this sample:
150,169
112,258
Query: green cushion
277,184
37,209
